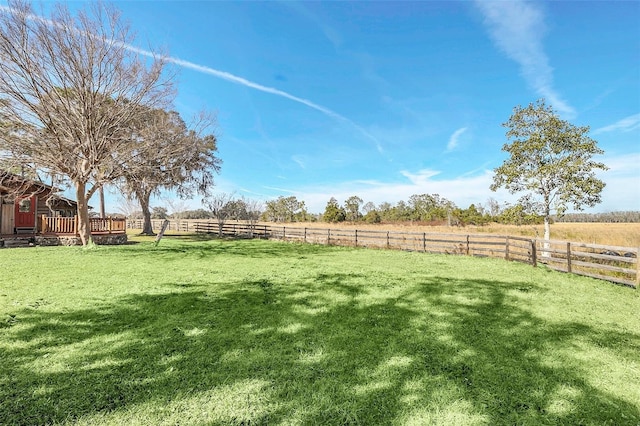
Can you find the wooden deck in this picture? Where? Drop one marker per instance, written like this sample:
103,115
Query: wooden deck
68,226
53,231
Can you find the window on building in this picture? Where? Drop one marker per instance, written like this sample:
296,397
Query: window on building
25,205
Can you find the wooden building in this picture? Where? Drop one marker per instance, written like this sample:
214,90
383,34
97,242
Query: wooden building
32,208
23,201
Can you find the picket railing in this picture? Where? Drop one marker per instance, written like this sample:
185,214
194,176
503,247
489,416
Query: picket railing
69,225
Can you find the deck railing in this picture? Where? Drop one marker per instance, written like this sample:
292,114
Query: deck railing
69,225
108,225
58,225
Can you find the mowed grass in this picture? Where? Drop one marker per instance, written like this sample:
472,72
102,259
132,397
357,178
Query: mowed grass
253,332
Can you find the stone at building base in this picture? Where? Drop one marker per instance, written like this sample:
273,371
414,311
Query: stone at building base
61,240
111,239
10,243
57,240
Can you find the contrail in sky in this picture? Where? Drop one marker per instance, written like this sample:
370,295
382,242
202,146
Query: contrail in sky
229,77
244,82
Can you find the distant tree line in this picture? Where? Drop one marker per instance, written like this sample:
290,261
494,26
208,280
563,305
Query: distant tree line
429,209
609,217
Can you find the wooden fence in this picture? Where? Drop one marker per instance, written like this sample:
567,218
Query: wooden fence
612,263
180,225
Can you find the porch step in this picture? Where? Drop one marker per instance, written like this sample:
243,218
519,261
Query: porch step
17,242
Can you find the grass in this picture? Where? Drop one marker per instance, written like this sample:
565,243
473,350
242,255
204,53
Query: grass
251,332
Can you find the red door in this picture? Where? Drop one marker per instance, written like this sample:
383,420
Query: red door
25,212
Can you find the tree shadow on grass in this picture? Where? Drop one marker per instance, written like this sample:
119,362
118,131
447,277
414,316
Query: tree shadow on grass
326,350
253,248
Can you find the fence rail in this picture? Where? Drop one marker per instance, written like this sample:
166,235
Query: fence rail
612,263
68,225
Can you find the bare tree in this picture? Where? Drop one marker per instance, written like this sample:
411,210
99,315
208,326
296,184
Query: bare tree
220,206
69,85
176,207
169,155
253,210
129,208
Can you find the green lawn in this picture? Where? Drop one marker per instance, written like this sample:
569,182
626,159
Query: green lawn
257,332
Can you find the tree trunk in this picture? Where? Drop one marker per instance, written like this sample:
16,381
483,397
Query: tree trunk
84,227
547,228
102,210
147,228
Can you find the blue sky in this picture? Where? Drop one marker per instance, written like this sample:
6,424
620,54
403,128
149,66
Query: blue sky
388,99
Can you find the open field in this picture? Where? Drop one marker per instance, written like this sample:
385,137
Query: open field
615,234
199,331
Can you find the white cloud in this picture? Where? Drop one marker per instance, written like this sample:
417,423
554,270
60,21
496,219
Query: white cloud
454,140
622,192
462,190
299,160
625,125
516,28
421,178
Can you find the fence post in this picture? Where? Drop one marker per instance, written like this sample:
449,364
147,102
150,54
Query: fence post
638,269
75,225
387,239
328,236
506,248
356,238
305,234
284,233
534,254
424,242
568,257
467,245
110,224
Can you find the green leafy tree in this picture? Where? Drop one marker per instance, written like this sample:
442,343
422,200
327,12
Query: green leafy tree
285,209
472,216
385,209
429,207
158,213
372,217
333,212
352,208
401,211
169,154
551,160
519,215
